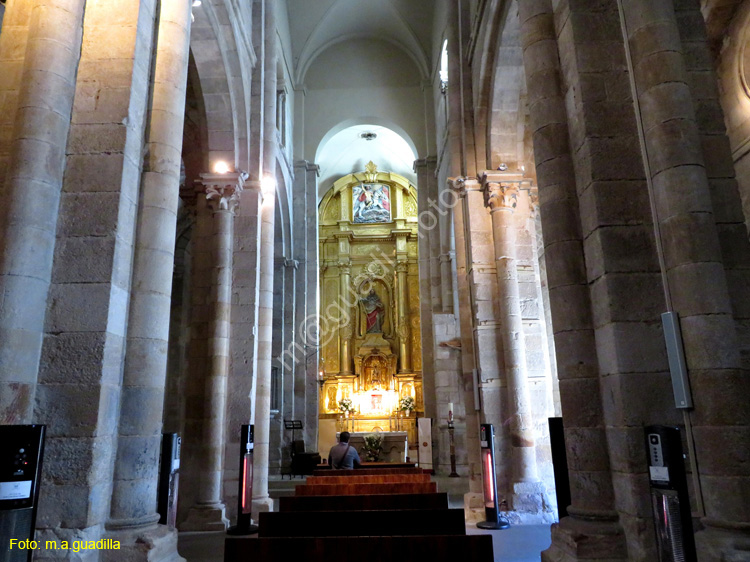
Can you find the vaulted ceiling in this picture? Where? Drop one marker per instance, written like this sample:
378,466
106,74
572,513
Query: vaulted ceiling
317,24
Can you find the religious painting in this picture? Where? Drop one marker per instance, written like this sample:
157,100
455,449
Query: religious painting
371,203
376,402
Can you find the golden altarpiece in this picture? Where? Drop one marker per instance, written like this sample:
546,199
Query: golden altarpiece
371,354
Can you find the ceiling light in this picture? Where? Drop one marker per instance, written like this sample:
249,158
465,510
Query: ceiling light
368,135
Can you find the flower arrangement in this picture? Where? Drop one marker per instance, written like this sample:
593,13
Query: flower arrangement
373,447
406,404
346,405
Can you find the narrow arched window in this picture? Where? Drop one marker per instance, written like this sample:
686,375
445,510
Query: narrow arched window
444,67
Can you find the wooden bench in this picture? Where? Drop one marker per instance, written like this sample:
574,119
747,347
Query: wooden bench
368,479
448,548
367,464
359,523
367,471
357,489
364,502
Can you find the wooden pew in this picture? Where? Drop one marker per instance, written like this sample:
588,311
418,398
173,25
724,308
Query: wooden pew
448,548
357,489
362,523
367,471
363,502
368,479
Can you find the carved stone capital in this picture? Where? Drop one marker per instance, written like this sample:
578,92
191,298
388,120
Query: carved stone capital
402,267
534,201
463,185
223,191
458,184
345,269
501,197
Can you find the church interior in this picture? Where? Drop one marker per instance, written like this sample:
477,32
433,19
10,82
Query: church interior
254,225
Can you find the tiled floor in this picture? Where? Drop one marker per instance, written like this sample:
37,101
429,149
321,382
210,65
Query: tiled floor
520,543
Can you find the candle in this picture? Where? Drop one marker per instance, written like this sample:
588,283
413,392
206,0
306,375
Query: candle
450,411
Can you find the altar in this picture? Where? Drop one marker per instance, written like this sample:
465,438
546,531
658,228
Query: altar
395,445
370,366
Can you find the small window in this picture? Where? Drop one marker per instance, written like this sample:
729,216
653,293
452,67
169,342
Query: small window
444,67
275,390
2,13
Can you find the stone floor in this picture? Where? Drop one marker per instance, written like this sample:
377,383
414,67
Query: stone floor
520,543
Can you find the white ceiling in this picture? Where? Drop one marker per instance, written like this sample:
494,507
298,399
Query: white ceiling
318,24
347,153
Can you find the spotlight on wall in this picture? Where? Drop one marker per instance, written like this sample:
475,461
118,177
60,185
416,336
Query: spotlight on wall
268,185
221,167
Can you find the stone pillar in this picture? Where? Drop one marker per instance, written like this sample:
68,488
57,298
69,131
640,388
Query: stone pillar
462,190
305,226
346,322
696,283
215,243
136,478
243,348
592,529
261,499
80,375
35,158
428,233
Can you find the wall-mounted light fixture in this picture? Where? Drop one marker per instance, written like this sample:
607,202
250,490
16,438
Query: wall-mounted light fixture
221,167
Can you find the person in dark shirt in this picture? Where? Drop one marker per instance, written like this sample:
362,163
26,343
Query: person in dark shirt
343,455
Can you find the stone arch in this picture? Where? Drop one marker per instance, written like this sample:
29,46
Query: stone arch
733,68
383,122
224,83
500,98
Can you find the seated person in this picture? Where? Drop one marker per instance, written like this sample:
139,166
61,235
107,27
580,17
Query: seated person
343,455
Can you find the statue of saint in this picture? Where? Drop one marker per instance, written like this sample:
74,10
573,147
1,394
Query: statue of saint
373,313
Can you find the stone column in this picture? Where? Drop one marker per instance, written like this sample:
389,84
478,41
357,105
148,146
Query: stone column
142,400
696,282
261,499
306,321
215,222
446,281
502,198
346,322
31,190
592,529
404,354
